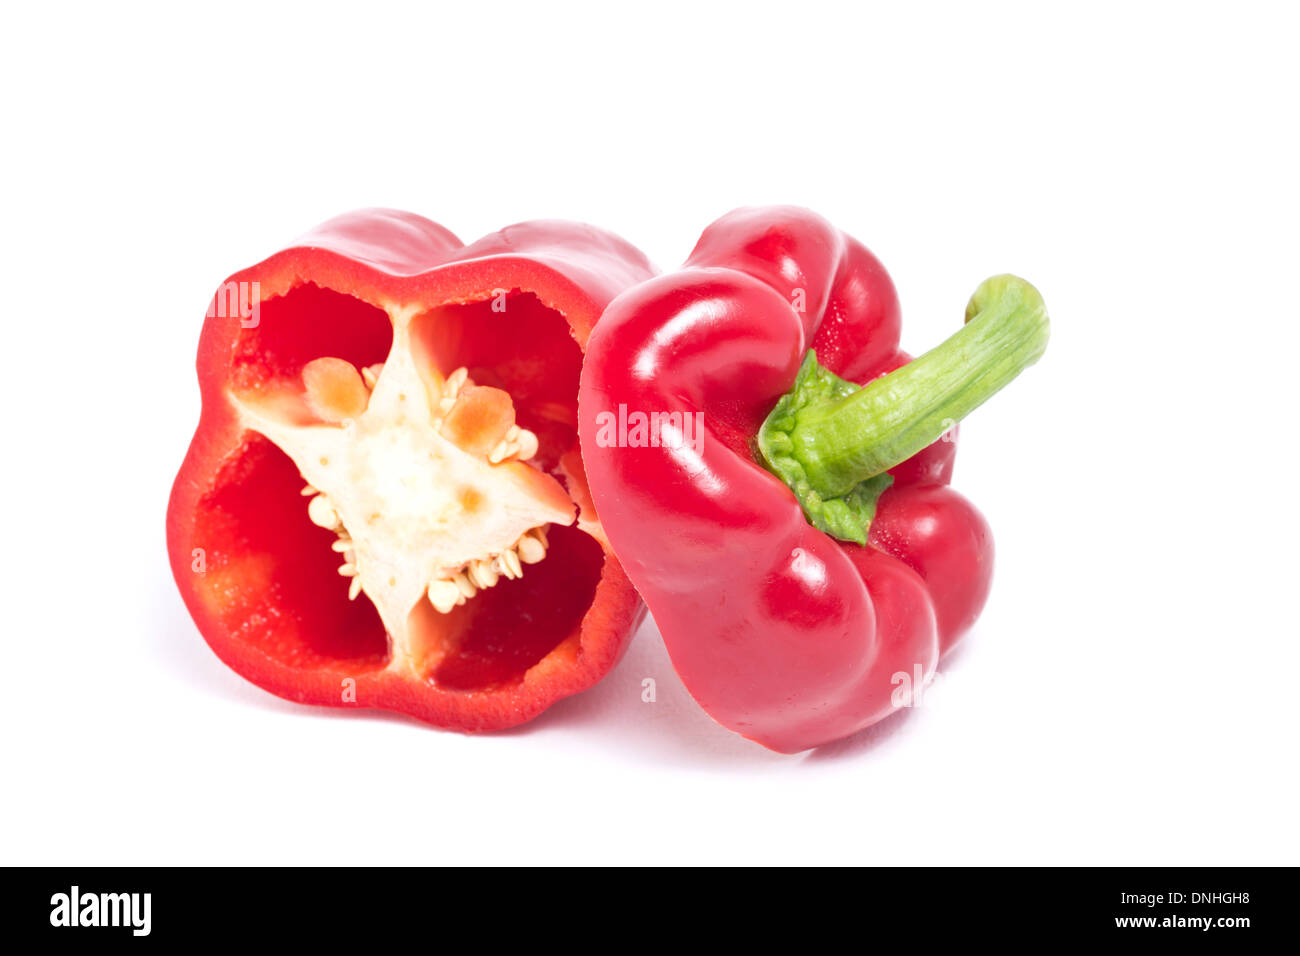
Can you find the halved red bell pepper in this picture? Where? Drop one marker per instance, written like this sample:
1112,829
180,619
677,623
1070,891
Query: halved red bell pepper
792,532
384,505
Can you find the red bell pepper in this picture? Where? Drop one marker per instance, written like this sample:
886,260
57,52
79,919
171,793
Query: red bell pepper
792,532
384,505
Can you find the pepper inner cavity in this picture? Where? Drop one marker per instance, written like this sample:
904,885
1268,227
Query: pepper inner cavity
423,479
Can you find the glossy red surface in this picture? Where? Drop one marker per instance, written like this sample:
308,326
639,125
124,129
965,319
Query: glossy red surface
782,633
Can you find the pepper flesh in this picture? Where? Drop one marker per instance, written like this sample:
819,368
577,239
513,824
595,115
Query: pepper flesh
393,414
782,633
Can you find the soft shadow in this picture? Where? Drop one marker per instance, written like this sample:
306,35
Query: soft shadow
611,714
869,738
864,741
670,729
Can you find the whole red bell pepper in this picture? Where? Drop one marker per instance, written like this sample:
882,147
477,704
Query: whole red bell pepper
773,471
383,505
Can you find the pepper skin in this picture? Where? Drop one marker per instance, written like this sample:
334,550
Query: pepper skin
425,393
782,633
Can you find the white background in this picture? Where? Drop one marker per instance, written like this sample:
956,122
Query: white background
1128,695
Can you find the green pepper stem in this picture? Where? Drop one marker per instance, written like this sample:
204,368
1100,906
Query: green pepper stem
890,419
